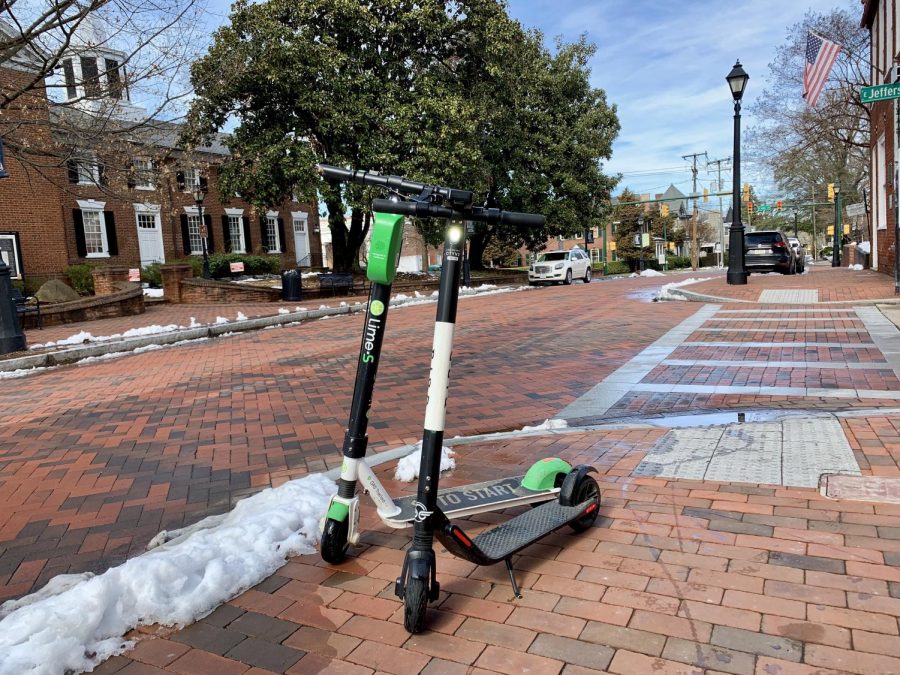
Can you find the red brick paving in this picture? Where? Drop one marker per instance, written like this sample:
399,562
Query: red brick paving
676,577
98,458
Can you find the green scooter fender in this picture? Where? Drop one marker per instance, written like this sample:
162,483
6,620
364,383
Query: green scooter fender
384,251
542,474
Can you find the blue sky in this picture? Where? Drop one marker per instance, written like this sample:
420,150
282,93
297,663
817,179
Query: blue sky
664,65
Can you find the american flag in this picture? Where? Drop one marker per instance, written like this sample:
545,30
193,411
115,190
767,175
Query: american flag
820,56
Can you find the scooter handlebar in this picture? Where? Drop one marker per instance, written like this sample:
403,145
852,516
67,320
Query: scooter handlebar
397,183
475,213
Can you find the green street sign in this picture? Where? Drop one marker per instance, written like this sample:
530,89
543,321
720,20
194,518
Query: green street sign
763,208
879,92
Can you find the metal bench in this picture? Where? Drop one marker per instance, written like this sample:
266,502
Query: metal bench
342,280
27,305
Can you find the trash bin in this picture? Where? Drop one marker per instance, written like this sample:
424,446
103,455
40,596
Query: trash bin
291,286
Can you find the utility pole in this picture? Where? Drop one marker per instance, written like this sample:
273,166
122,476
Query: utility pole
718,163
695,245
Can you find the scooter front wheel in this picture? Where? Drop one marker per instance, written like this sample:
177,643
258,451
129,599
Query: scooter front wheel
415,602
334,541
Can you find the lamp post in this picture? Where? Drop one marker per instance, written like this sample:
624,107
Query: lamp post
641,241
838,228
199,193
737,271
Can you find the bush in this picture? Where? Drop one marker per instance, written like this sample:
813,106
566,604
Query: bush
617,267
678,262
152,276
253,264
81,278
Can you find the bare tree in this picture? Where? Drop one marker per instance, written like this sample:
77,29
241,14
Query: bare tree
115,73
807,147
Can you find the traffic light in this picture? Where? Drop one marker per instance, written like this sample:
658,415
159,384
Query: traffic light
705,195
746,192
664,210
778,204
831,192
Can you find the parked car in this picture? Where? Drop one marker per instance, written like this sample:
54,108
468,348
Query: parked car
799,252
560,267
769,251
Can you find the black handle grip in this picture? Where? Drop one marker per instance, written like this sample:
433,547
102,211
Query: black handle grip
477,213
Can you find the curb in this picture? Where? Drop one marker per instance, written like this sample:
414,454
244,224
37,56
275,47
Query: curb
67,356
690,296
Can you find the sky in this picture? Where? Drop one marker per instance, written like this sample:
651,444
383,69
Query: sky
663,65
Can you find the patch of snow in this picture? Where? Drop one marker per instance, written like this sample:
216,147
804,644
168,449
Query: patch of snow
282,310
221,320
652,273
77,621
194,323
548,425
22,372
240,317
408,467
665,293
856,267
153,293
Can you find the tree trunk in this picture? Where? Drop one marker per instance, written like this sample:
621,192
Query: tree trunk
346,243
477,244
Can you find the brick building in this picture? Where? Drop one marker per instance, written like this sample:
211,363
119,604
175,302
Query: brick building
129,201
880,18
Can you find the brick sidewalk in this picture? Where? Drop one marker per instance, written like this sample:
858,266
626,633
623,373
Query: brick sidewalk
831,284
676,577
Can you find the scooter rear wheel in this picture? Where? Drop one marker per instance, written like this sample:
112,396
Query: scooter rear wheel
415,602
586,489
334,541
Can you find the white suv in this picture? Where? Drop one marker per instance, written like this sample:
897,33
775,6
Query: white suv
560,266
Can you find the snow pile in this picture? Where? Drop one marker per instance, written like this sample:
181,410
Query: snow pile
282,310
548,425
241,317
665,293
220,320
408,467
652,273
77,621
153,293
856,267
86,338
864,247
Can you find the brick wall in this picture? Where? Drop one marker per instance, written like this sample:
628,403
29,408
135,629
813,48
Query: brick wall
881,120
200,291
29,197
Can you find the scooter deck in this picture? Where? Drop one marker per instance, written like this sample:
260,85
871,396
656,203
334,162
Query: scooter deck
476,498
500,542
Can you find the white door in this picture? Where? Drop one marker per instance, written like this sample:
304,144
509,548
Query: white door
301,242
150,238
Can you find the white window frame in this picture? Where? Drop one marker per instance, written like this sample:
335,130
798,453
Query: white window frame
193,216
86,165
191,178
272,221
143,173
882,180
91,206
239,214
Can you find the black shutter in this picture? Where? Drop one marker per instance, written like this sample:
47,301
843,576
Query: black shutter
72,167
210,242
69,73
281,234
132,182
265,235
101,174
185,234
111,239
80,244
226,235
113,79
248,246
179,179
204,183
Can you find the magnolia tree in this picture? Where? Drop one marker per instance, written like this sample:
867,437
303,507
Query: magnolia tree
452,93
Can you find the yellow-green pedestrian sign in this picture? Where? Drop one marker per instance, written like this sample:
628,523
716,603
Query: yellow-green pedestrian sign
879,92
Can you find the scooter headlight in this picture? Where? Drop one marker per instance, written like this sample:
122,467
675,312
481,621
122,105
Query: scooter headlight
455,233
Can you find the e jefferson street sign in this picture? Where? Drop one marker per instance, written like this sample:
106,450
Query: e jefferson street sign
879,92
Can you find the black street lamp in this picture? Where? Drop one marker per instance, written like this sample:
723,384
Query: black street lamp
199,193
737,271
641,240
838,229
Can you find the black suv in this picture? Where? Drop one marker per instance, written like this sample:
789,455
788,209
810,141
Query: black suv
769,251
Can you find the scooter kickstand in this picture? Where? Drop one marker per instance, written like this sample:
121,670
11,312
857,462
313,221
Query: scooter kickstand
512,578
